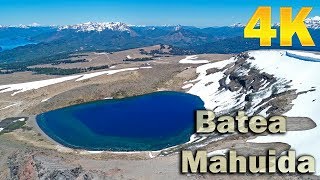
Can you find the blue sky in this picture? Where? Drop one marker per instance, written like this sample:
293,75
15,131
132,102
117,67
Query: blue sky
200,13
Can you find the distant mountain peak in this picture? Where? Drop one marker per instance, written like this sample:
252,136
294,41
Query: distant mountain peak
238,25
34,24
27,26
21,26
313,22
98,26
177,27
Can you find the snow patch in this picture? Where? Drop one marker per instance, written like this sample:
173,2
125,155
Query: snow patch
9,106
23,87
192,60
21,120
110,72
148,67
151,155
304,76
95,152
207,88
44,100
221,152
294,71
187,86
264,113
304,56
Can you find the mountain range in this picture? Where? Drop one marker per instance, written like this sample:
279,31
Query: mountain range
47,41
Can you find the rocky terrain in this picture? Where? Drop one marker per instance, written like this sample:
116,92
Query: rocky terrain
225,83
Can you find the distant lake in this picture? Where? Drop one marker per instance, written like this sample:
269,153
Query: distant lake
149,122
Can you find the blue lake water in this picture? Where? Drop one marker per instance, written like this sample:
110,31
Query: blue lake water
149,122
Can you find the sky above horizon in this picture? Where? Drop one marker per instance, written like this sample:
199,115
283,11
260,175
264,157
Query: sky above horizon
200,13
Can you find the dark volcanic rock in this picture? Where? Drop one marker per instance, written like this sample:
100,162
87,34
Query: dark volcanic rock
13,167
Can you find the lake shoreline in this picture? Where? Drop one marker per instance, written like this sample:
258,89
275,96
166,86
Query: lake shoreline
191,138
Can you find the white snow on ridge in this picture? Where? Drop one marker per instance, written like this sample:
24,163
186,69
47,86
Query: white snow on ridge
91,75
45,100
220,152
146,67
304,56
313,22
23,87
304,77
96,26
302,73
192,60
187,86
207,88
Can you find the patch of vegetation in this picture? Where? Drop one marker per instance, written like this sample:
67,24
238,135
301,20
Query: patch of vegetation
97,68
20,66
11,124
60,71
157,52
139,59
56,71
69,61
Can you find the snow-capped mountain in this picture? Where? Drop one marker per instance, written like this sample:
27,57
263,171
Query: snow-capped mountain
313,22
177,28
22,26
238,25
29,25
95,26
276,25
